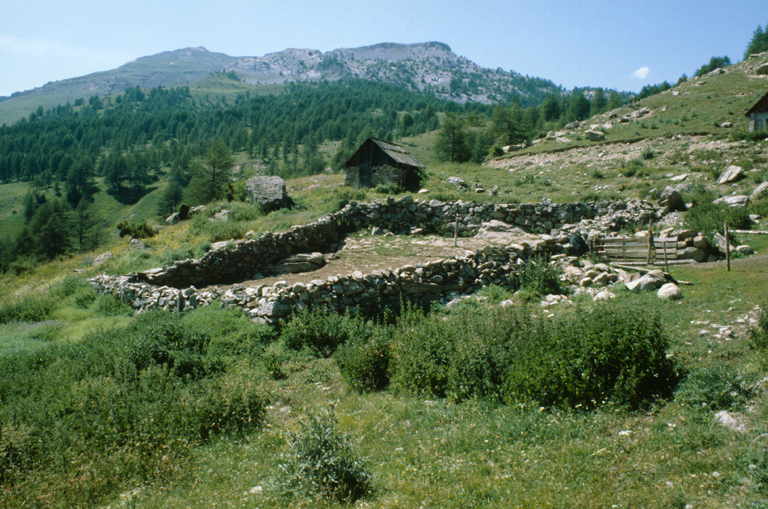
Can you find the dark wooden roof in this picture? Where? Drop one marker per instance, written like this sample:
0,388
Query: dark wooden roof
393,150
760,106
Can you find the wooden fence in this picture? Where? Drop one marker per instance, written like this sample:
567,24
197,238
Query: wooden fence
635,250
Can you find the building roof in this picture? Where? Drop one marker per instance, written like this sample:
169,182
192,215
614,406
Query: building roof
395,151
760,106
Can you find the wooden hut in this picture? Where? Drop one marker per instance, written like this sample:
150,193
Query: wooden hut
758,115
381,162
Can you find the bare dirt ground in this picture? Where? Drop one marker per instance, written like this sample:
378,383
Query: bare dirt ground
366,253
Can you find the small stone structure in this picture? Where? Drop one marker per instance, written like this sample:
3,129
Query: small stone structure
758,115
171,287
381,162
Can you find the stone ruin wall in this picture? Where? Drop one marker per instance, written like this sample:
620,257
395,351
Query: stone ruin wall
172,287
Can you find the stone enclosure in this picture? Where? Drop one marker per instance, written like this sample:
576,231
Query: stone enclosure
172,287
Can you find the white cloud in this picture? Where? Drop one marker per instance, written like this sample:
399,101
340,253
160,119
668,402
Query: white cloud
641,73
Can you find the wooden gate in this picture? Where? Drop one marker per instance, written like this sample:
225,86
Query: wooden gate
637,249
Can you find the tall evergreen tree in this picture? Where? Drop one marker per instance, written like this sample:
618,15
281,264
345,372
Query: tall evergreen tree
759,42
453,140
211,176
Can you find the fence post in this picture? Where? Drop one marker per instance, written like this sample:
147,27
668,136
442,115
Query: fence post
727,249
650,240
456,228
666,264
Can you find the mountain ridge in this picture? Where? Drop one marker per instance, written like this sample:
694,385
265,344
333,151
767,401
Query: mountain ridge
430,67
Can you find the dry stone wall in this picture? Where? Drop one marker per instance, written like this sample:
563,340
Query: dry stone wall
236,261
173,287
421,284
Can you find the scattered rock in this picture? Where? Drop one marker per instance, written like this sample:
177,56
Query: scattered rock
172,219
759,192
604,295
731,174
670,291
744,249
102,258
735,200
730,421
137,245
594,135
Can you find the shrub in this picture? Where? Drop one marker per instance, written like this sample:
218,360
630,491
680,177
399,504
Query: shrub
648,153
109,305
135,231
159,338
320,331
615,354
539,278
759,335
29,309
364,361
709,218
612,354
323,461
183,212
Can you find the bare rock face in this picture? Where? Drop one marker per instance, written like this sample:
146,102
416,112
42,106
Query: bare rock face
269,192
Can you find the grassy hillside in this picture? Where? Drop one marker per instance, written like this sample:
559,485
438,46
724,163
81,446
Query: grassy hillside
99,407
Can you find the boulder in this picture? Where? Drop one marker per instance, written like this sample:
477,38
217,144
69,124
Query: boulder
604,295
650,281
763,69
735,200
269,192
172,219
670,291
731,174
759,192
744,249
102,258
594,135
672,200
137,245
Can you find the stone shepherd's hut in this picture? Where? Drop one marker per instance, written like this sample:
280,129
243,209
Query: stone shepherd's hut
758,115
381,162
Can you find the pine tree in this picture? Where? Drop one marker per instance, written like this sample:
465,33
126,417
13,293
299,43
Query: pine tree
759,42
453,140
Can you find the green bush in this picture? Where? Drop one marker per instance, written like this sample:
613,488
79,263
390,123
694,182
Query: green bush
109,305
539,277
709,218
364,361
112,409
29,309
323,462
320,331
135,231
615,354
159,338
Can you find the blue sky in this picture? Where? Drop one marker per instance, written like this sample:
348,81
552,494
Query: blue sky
615,44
